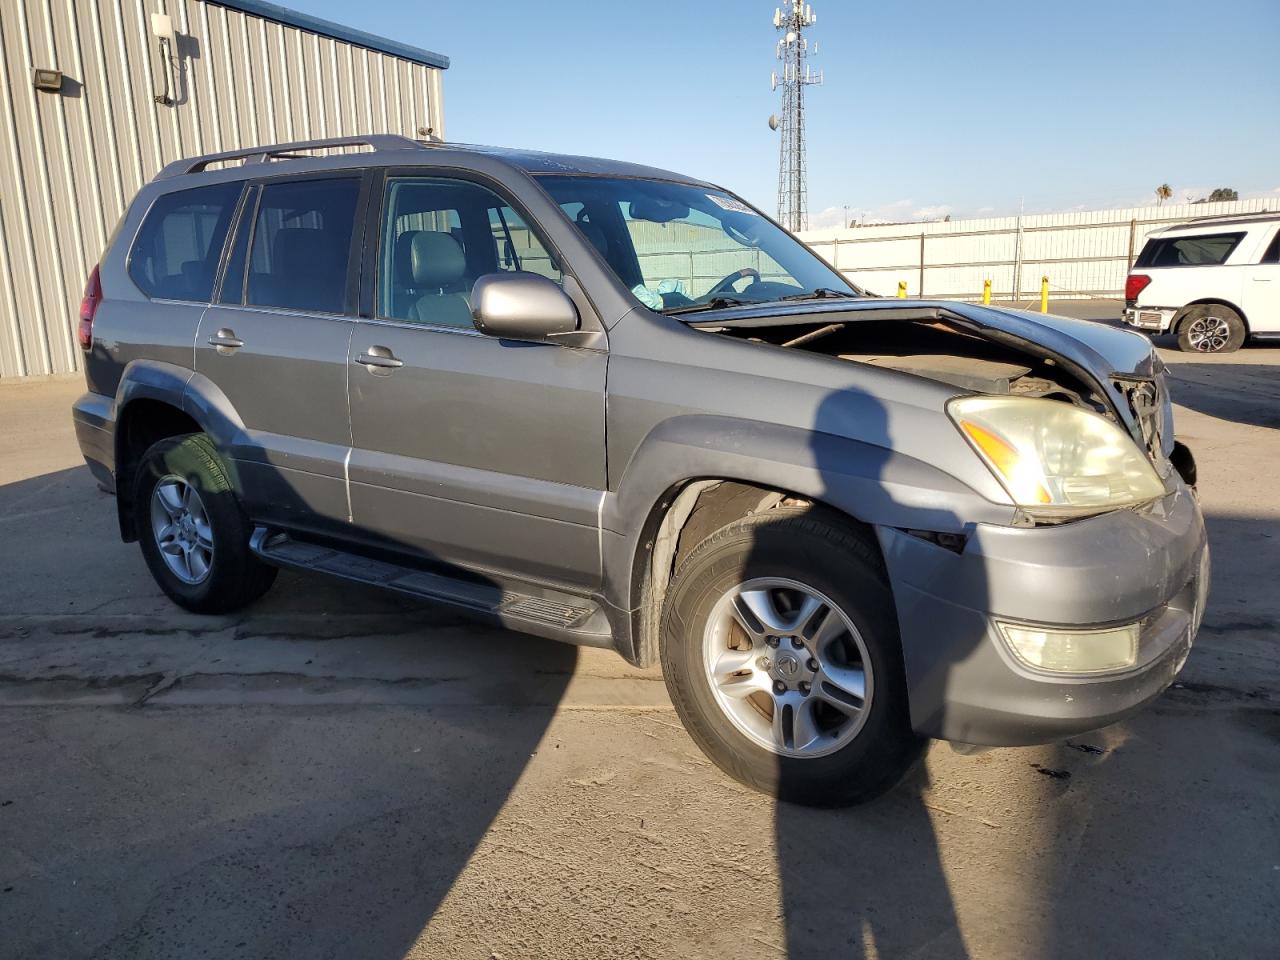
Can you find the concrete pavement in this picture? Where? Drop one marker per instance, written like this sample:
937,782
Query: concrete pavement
341,773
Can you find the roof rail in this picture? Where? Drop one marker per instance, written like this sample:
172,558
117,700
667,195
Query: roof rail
283,151
1248,215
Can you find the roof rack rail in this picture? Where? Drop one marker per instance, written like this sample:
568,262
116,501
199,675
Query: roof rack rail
1248,215
283,151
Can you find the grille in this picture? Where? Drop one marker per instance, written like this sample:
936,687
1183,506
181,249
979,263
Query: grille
1147,400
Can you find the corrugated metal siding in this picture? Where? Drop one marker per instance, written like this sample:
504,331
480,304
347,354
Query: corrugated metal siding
71,161
1084,253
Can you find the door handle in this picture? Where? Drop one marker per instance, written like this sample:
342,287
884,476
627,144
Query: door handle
226,341
379,360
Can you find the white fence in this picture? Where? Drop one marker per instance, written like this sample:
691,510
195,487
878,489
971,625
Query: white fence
1085,254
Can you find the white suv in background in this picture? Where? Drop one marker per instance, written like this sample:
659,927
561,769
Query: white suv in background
1213,282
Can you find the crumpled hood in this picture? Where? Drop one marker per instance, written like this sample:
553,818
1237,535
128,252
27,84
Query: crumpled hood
1102,349
1099,352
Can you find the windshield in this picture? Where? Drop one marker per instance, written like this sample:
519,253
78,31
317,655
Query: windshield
680,248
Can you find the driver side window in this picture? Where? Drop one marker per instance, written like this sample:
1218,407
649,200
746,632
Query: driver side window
438,237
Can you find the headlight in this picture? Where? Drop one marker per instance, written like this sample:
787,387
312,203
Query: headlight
1055,458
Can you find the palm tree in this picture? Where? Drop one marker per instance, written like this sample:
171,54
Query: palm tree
1163,193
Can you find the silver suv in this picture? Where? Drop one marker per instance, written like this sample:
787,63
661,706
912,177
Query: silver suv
620,407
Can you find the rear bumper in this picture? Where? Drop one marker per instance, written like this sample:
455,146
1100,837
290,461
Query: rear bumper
1148,565
95,422
1151,319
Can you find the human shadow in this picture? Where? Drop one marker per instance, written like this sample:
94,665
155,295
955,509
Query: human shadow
190,787
875,887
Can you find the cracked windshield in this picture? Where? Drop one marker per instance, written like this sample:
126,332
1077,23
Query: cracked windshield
681,248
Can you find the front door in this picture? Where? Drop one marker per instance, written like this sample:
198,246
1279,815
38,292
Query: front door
469,450
276,347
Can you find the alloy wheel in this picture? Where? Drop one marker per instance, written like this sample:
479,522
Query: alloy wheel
180,525
788,667
1208,334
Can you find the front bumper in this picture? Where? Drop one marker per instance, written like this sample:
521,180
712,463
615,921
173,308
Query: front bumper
1151,319
1148,564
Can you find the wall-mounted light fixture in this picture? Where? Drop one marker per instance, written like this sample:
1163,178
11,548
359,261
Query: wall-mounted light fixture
162,30
50,81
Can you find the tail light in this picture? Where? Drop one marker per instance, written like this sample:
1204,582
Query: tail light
1135,284
88,307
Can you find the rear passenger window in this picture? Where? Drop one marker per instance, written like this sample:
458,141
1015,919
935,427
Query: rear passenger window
176,254
302,245
1209,250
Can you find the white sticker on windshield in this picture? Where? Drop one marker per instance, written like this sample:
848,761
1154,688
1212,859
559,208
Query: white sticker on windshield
731,203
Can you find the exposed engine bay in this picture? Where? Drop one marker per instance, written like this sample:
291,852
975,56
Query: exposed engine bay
932,347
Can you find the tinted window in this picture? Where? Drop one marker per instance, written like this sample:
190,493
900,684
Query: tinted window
1202,251
180,243
438,237
302,244
1273,252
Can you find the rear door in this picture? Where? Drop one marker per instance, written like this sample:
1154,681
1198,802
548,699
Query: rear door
275,346
1262,289
474,451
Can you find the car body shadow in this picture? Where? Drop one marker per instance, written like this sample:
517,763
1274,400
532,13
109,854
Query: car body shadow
261,784
1243,392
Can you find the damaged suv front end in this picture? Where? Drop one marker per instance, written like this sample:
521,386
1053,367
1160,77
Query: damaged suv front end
1083,605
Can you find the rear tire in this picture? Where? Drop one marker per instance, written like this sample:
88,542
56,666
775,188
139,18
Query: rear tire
1211,328
193,532
785,562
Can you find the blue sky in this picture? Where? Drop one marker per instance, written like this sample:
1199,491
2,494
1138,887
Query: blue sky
928,107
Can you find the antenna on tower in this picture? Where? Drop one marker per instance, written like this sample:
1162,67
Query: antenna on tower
793,50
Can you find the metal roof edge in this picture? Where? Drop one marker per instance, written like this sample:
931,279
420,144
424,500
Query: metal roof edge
337,31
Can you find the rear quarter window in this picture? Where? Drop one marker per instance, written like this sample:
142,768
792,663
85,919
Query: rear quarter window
176,253
1208,250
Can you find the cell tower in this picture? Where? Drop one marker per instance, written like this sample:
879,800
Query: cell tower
793,51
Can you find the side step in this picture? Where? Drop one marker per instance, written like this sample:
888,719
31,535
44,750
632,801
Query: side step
550,614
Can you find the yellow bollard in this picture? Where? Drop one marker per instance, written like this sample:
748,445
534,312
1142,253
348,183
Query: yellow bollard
902,289
1044,294
986,292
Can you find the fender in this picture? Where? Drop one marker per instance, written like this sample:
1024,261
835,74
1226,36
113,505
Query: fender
194,394
176,387
870,483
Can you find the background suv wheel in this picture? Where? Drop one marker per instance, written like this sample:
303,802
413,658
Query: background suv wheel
1211,328
780,650
193,532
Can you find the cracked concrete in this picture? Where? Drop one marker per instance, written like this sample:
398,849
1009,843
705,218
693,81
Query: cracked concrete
338,772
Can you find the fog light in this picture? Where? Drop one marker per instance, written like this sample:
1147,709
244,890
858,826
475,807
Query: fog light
1072,651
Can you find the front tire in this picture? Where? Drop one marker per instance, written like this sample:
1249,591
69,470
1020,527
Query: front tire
780,650
1211,328
193,533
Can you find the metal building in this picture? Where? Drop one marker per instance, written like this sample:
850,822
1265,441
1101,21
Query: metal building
98,95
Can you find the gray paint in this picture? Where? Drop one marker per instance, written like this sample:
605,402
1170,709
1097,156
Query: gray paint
547,464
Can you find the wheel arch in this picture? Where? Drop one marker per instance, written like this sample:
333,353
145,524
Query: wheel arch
755,466
681,518
155,401
1180,317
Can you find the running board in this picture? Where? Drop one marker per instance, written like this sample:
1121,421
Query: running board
551,614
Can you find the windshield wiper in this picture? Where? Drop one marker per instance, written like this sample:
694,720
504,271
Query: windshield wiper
717,303
822,293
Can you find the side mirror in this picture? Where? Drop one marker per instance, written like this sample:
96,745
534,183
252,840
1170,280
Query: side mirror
521,306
